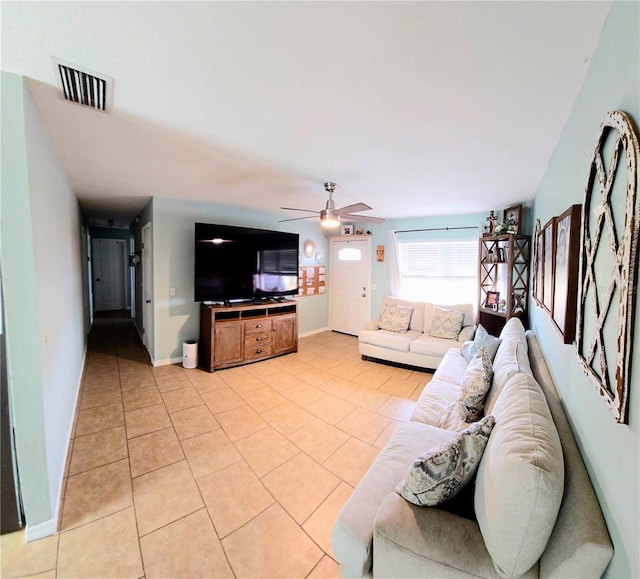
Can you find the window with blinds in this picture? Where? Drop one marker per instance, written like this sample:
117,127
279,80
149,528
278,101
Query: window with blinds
438,271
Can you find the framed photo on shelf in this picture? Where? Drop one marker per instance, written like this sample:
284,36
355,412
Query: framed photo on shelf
514,216
492,300
548,265
347,230
565,292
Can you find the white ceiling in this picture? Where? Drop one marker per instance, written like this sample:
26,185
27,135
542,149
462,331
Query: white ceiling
416,108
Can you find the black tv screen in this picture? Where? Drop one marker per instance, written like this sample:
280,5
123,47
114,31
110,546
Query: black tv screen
241,263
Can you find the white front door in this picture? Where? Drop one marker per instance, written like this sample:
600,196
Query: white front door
147,289
108,274
349,284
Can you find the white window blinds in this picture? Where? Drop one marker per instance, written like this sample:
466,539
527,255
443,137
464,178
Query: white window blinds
440,271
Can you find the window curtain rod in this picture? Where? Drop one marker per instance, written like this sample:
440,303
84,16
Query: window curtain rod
433,229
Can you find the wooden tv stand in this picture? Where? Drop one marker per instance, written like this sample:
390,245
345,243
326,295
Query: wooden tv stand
244,333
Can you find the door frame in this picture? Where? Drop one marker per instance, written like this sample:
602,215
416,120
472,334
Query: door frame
146,263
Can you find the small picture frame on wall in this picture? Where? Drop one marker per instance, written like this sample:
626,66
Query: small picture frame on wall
565,293
347,230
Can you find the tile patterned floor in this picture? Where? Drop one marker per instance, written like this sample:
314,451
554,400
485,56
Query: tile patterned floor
239,473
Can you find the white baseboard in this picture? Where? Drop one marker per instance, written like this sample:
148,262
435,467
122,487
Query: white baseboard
166,361
312,332
67,456
35,532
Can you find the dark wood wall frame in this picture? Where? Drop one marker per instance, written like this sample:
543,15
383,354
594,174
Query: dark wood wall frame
565,277
547,263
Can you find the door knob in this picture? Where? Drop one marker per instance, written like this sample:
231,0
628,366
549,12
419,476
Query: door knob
364,295
98,279
148,301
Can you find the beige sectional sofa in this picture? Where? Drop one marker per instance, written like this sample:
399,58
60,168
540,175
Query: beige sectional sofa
415,347
532,511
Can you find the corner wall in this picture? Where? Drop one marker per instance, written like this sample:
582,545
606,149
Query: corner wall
610,450
45,313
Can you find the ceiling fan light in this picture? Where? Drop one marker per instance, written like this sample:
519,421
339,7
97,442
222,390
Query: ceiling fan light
328,219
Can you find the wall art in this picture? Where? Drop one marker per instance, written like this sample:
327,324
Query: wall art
565,277
548,252
608,263
537,266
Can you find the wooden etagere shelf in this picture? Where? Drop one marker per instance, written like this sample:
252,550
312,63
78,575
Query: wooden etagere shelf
503,280
241,334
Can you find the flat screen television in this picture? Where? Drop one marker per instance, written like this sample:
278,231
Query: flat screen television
242,263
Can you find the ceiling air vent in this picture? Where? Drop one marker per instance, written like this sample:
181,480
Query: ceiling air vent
83,86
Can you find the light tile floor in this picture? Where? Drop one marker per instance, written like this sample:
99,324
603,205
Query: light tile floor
183,473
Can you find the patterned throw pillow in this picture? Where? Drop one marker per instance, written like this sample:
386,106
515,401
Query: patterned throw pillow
475,385
440,475
446,323
482,339
395,318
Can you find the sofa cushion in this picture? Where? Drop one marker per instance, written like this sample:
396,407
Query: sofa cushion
438,406
446,323
352,535
440,474
390,340
417,318
395,318
520,480
511,358
426,344
482,339
475,385
467,309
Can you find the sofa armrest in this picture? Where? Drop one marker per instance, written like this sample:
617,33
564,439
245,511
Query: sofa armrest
467,334
373,325
411,541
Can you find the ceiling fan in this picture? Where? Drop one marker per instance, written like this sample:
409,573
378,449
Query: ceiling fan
330,217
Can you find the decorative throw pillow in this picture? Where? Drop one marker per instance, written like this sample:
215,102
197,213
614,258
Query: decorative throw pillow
476,382
395,318
439,475
446,323
483,339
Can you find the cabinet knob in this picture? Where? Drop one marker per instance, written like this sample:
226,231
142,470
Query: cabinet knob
258,325
258,351
258,339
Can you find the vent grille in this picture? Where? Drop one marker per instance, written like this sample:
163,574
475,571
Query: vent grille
83,87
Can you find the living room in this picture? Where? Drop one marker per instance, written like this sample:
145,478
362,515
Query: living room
46,299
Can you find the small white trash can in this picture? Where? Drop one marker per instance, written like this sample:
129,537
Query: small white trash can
190,354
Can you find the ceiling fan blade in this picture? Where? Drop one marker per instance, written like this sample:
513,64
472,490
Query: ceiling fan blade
298,209
362,218
297,218
355,208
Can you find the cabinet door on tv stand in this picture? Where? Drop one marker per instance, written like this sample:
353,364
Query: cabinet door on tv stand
228,343
285,334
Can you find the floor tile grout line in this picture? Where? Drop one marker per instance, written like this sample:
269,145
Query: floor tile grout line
243,393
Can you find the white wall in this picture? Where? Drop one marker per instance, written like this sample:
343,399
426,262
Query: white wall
611,451
57,258
44,302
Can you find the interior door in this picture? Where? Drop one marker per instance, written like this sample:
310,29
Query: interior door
349,284
108,274
147,289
